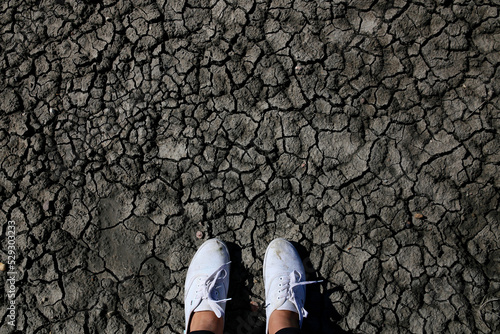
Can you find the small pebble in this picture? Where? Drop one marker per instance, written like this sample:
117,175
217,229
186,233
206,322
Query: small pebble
199,234
418,216
3,267
254,306
110,314
46,205
140,239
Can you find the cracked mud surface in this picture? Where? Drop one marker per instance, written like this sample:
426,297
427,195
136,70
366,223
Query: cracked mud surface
365,131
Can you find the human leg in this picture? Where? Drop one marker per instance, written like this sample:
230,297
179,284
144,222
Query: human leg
280,319
284,280
291,330
206,287
206,322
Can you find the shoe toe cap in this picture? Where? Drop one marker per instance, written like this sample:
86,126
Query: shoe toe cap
213,252
281,256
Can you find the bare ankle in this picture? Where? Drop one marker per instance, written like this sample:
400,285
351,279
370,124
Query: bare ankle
282,319
207,321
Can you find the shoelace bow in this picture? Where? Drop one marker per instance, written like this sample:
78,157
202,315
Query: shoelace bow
294,280
206,288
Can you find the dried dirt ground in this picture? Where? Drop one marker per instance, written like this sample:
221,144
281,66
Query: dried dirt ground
365,131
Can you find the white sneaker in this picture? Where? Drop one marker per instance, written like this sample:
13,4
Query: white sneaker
207,280
284,276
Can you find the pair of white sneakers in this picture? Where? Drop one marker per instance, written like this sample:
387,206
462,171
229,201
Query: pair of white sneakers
207,280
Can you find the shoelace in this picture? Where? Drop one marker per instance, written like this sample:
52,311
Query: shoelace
294,280
206,287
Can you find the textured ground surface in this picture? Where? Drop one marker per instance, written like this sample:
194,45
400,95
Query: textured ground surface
366,131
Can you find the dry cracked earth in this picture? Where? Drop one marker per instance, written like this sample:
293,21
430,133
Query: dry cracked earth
367,132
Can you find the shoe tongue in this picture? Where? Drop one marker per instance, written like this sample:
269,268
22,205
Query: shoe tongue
288,305
204,304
